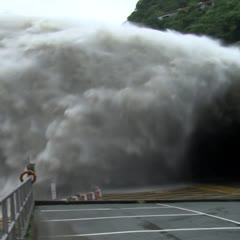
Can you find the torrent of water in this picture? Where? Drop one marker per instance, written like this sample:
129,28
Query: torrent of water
104,105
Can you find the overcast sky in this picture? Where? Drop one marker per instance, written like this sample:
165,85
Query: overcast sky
115,11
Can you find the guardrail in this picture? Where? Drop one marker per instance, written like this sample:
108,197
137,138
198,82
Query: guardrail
15,212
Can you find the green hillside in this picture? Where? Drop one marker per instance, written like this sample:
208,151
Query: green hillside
216,18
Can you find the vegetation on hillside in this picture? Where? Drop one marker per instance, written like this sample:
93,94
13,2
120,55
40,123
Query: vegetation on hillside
219,20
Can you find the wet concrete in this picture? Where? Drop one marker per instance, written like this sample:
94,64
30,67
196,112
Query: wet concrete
174,221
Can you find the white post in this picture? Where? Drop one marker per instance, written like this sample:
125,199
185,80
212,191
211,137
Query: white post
53,191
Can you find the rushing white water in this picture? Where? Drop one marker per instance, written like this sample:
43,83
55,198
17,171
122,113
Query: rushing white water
103,105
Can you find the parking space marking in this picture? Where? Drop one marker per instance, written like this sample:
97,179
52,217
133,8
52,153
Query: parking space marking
143,231
138,208
121,217
201,213
101,209
75,210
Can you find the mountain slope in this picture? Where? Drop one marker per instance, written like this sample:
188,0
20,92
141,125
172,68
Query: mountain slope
218,18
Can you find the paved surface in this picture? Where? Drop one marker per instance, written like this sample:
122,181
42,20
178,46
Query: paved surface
1,227
189,192
170,221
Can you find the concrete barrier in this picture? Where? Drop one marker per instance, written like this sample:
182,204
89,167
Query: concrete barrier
91,196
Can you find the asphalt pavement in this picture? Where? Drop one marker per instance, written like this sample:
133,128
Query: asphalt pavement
167,221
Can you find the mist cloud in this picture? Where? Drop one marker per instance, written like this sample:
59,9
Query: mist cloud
110,106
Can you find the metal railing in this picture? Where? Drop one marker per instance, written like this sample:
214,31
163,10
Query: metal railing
15,212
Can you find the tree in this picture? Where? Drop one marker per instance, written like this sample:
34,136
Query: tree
219,20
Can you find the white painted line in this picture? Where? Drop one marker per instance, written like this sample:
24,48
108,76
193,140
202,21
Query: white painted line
138,208
202,213
120,217
143,231
100,209
78,209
